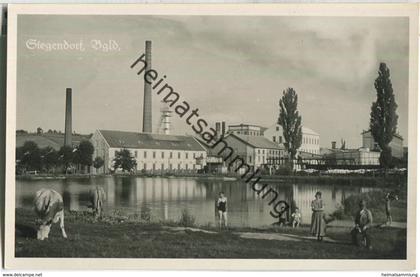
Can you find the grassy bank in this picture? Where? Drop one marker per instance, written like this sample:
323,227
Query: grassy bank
133,238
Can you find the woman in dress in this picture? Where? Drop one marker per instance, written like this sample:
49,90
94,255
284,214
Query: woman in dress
318,223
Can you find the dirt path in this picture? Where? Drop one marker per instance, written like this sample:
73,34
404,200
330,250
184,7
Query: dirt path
284,237
254,235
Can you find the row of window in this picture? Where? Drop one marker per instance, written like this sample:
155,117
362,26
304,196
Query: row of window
280,139
312,151
269,151
248,133
171,167
162,154
305,140
309,140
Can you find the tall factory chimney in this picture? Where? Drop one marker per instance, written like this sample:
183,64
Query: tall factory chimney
218,131
147,98
67,128
223,129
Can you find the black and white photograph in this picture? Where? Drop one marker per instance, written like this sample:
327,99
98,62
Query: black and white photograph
234,136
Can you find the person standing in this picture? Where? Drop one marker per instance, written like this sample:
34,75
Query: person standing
388,199
363,222
221,205
317,222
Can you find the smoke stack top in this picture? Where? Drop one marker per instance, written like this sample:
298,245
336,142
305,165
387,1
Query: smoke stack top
67,127
147,97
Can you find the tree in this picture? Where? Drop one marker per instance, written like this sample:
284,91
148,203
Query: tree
291,121
29,156
343,144
66,156
98,163
49,158
124,160
383,115
85,152
39,131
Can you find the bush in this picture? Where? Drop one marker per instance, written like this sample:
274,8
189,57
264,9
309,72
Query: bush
284,170
339,214
145,213
375,202
187,219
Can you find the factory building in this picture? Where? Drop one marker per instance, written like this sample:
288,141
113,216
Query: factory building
246,129
397,148
153,152
310,139
256,151
157,153
352,157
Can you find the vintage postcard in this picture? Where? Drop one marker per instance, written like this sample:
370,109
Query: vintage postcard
251,137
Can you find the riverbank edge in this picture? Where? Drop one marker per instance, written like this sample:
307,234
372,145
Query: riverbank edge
382,181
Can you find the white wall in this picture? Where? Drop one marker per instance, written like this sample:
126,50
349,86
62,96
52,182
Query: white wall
145,159
310,142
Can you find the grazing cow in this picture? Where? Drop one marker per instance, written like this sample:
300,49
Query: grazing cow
49,208
97,198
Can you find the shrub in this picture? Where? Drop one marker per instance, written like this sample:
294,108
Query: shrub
374,200
187,219
284,170
339,213
146,213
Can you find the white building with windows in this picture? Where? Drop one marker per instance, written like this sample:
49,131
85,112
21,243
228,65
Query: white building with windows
256,151
396,145
153,152
310,138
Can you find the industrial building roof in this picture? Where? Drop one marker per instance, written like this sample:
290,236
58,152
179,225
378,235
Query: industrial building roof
122,139
258,142
309,131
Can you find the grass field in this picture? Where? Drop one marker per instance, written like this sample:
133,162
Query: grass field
134,239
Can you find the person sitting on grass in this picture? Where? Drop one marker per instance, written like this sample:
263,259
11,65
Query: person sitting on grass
296,218
283,213
363,223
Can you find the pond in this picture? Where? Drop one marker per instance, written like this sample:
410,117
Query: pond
168,197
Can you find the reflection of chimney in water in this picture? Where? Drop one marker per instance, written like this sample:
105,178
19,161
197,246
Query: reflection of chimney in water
67,127
147,98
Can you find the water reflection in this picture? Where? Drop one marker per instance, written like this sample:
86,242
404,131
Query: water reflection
167,197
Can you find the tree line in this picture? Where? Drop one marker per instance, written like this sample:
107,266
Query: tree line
30,157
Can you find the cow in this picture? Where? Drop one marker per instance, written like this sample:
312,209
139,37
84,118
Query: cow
97,198
49,207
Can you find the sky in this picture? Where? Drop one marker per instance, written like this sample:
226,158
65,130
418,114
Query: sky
232,68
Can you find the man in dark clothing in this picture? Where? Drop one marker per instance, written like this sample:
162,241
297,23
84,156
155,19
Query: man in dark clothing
363,222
